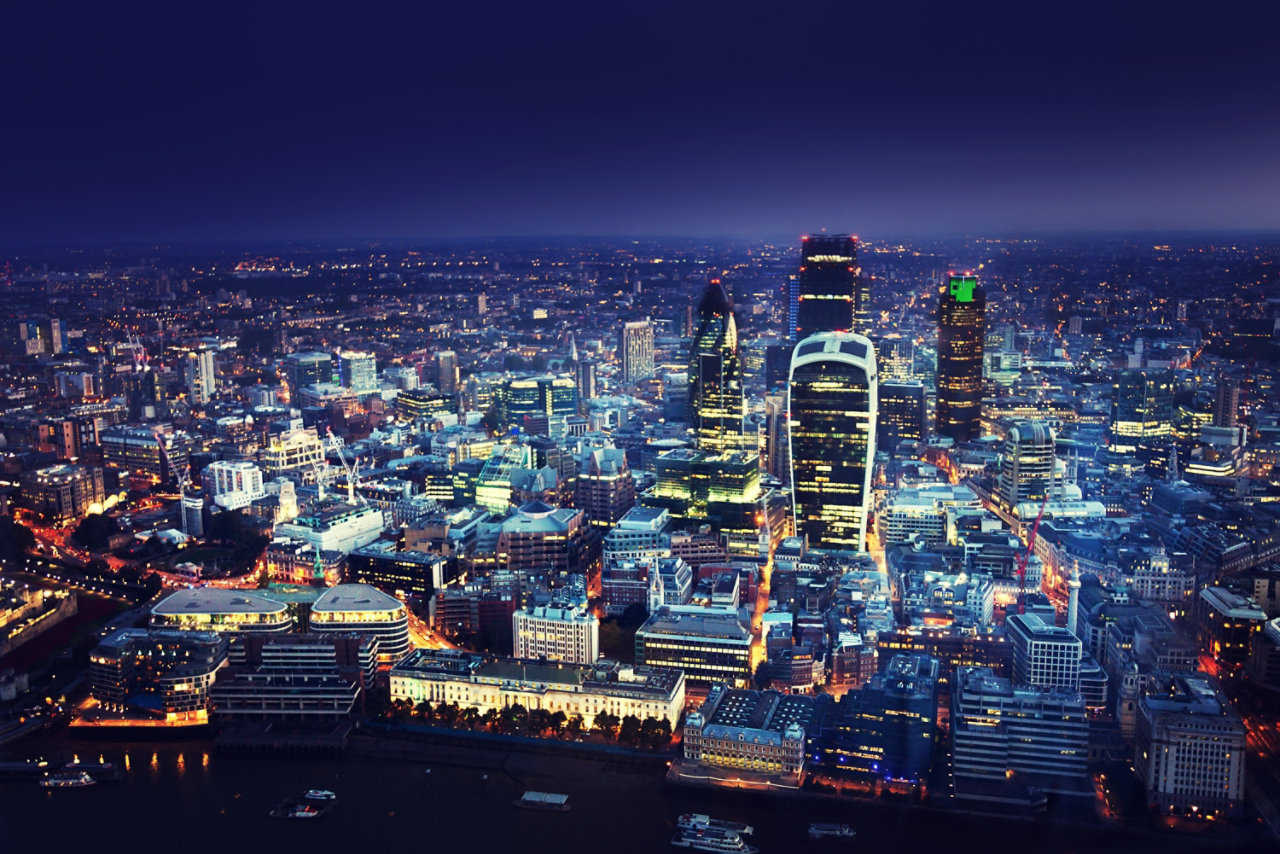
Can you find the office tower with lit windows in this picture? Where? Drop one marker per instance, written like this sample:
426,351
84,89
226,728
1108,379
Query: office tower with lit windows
901,416
1044,655
1026,464
833,406
358,371
303,369
1142,407
198,375
447,372
776,462
831,295
1226,404
635,351
962,305
717,408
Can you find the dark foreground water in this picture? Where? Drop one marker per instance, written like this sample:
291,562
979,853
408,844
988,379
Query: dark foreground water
186,799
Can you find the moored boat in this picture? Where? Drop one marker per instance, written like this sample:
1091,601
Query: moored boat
67,780
822,830
708,839
548,801
694,821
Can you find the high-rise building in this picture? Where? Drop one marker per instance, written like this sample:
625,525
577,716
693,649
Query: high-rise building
605,488
1227,626
1142,406
831,295
1034,736
717,408
776,460
1226,405
447,371
584,376
358,371
199,376
1026,464
536,397
962,305
902,415
897,357
1044,655
635,351
303,369
62,493
556,633
833,404
1190,749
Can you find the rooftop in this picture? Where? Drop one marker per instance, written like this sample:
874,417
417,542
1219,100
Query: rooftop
213,600
354,597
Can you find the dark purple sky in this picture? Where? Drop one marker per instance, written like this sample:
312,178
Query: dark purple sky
217,120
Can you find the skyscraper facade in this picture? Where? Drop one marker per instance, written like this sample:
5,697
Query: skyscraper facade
717,408
302,369
901,416
447,371
199,375
1226,404
1026,464
831,294
635,351
358,371
1142,406
833,405
962,305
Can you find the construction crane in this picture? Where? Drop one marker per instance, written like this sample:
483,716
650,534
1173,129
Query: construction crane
182,477
336,444
1026,556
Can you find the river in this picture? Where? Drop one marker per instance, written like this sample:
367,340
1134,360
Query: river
184,798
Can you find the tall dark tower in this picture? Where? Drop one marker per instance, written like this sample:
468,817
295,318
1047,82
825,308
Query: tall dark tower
831,295
716,404
962,306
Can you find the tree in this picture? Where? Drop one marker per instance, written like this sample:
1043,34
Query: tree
605,724
629,733
574,726
448,713
469,716
401,709
539,720
15,539
557,722
655,732
94,532
491,719
423,710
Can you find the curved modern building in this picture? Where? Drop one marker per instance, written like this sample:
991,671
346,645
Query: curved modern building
962,330
217,610
832,401
367,611
717,408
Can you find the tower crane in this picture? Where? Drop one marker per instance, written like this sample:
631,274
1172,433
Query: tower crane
1026,556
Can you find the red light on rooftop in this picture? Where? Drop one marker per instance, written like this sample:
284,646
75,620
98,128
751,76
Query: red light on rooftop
806,237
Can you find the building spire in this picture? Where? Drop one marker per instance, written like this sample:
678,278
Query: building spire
573,348
1173,462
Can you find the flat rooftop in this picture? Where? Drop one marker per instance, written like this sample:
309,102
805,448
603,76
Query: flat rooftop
354,597
213,600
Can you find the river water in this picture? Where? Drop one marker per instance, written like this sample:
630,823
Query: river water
184,798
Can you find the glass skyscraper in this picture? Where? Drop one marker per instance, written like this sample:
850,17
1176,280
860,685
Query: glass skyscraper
833,404
1142,406
717,407
831,295
962,305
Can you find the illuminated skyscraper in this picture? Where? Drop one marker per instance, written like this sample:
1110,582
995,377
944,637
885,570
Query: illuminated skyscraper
1142,406
1027,464
199,375
901,415
962,305
716,405
831,294
833,405
358,371
447,371
635,351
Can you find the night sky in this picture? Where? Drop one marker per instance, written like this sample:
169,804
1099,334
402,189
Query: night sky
216,121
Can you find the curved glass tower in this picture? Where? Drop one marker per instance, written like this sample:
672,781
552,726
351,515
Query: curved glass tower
833,406
716,403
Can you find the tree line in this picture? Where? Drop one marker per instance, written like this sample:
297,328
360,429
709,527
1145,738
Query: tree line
653,733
